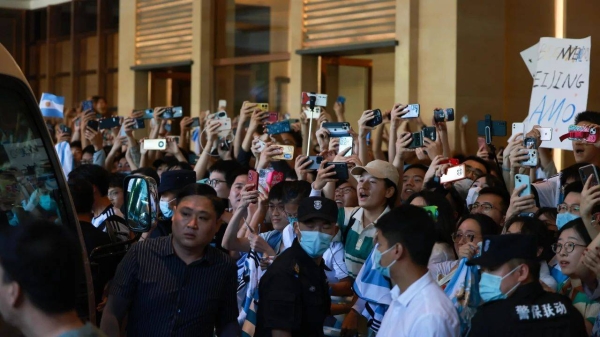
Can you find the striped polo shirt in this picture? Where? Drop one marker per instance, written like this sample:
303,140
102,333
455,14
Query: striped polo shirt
359,241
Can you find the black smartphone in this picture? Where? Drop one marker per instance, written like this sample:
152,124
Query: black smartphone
139,124
278,128
316,162
377,118
341,170
337,129
430,132
109,123
417,140
195,123
589,170
173,112
443,115
489,128
93,124
65,129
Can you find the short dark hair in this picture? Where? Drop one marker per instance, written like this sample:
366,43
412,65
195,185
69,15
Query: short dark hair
574,187
445,223
571,172
205,191
89,149
579,227
180,165
96,98
46,261
592,117
240,171
276,191
533,226
116,180
75,144
96,175
391,201
487,225
227,168
493,181
480,161
533,265
416,166
293,191
498,191
82,193
411,227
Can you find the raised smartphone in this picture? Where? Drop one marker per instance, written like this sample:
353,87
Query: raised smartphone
341,170
287,154
589,170
520,180
377,118
346,142
337,129
414,110
253,179
155,144
109,123
454,173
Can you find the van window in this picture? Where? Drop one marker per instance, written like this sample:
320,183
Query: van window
28,184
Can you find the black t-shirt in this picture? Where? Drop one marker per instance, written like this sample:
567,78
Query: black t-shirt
294,295
529,312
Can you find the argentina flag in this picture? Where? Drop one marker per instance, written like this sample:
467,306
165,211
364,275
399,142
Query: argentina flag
52,106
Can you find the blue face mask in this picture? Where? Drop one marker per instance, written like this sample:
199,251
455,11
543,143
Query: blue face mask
563,218
47,203
489,286
315,243
385,271
165,210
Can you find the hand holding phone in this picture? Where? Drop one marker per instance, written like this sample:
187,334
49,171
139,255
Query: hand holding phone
376,120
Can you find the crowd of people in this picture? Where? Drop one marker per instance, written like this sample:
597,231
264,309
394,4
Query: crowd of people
250,242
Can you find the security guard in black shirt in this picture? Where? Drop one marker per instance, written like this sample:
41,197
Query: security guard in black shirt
294,294
515,303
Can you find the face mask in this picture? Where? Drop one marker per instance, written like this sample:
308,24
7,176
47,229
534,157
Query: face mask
463,186
385,271
315,243
489,286
165,210
12,219
472,195
292,219
563,218
47,203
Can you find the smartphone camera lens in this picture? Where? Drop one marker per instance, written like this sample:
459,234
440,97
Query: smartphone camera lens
161,143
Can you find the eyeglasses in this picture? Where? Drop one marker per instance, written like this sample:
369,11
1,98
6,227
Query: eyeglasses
84,162
562,208
569,247
458,236
473,171
345,190
214,182
485,207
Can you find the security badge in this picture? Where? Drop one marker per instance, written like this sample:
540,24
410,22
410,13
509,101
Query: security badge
318,204
546,310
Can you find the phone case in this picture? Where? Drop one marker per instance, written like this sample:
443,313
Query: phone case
262,106
545,134
417,140
313,114
93,124
582,133
453,174
109,123
316,162
337,129
341,170
274,178
377,118
518,128
87,105
443,115
273,117
430,132
155,144
253,179
288,153
533,158
195,123
139,124
586,171
341,99
278,128
414,110
225,124
520,180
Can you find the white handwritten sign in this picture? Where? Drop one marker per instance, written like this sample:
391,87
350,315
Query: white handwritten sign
560,86
26,154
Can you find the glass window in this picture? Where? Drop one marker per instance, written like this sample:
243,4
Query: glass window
28,185
256,82
251,29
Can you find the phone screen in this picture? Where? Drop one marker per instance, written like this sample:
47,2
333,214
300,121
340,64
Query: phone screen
413,111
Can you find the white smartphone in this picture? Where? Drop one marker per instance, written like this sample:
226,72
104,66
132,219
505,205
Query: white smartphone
225,124
222,103
464,119
454,173
261,146
155,144
346,142
545,134
313,114
533,158
520,180
413,111
518,128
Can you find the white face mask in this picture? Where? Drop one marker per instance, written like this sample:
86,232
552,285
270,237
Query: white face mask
472,195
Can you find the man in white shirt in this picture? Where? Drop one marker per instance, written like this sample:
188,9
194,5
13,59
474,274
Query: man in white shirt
419,307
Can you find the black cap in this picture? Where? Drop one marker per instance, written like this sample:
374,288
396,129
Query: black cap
496,250
176,179
317,207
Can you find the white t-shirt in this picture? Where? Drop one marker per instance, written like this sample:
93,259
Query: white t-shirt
549,191
421,310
